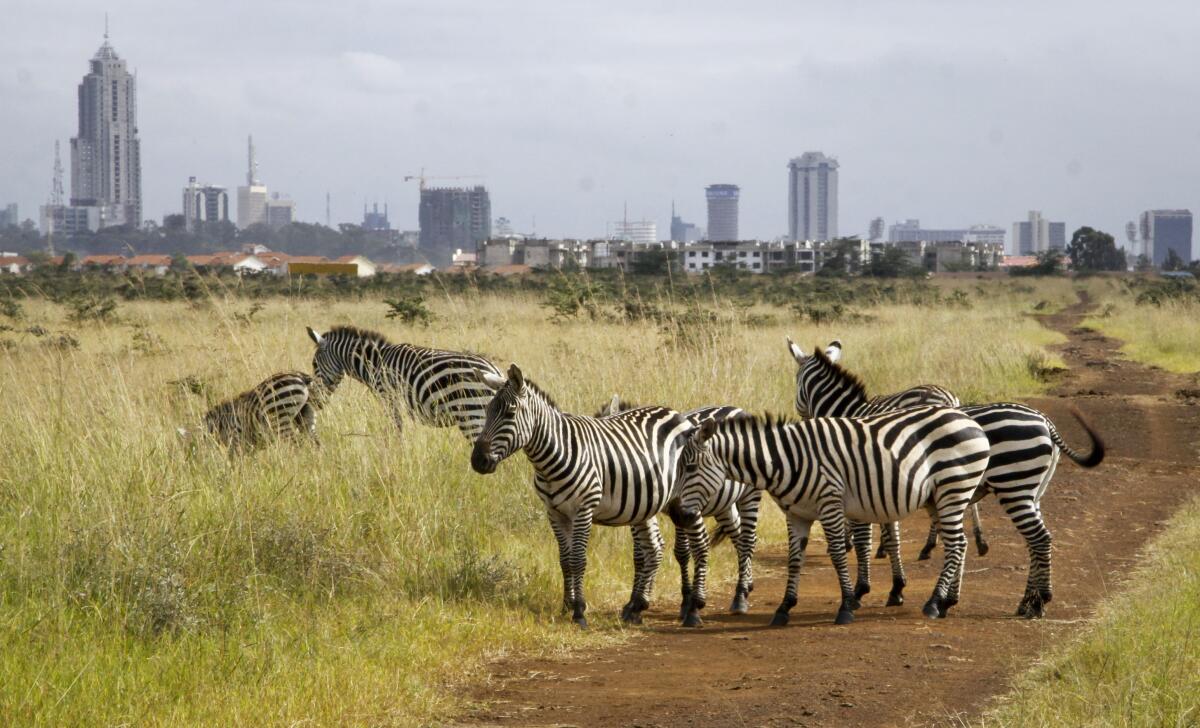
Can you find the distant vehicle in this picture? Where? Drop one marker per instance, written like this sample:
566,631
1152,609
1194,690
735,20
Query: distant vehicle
1176,274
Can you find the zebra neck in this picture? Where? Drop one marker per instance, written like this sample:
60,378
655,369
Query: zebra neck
547,425
753,451
383,368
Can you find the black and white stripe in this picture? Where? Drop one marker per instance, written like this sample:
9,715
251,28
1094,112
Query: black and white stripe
825,392
735,508
616,471
282,405
1024,450
875,469
438,387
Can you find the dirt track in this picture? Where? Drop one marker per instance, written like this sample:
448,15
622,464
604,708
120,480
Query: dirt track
893,666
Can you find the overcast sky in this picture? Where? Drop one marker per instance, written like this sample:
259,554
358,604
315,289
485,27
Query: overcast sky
951,112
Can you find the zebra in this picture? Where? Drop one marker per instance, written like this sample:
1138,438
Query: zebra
735,508
816,397
875,469
282,405
440,388
1024,444
617,470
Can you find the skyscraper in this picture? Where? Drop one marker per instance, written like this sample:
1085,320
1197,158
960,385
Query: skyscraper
252,197
106,167
204,203
453,218
813,197
1037,235
1164,231
722,212
682,231
876,229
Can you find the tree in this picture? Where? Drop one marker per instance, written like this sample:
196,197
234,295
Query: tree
1143,264
1049,263
653,262
1173,261
893,262
1094,250
844,258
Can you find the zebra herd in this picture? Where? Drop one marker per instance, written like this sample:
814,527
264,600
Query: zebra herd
852,461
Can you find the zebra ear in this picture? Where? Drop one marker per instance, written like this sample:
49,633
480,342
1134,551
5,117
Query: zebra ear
797,353
708,428
516,377
314,336
834,351
183,433
492,381
614,405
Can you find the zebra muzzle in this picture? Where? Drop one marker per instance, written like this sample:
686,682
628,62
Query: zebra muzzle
482,460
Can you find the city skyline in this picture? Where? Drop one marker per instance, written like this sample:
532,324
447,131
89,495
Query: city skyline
383,112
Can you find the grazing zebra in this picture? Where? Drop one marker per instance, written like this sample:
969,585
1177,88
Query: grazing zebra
440,388
875,469
617,470
820,392
735,508
284,404
1024,447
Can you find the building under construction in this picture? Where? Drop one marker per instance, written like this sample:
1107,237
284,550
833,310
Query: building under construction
453,218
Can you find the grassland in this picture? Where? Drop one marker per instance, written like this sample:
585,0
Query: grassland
1157,330
363,581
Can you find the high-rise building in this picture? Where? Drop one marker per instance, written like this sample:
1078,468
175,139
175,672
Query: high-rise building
813,197
374,220
1164,231
683,232
722,212
9,216
875,230
280,211
204,203
252,197
106,167
910,231
453,218
635,231
1037,235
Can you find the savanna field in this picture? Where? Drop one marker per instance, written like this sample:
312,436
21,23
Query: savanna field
367,580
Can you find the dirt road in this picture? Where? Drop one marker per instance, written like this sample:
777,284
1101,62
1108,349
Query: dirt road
893,666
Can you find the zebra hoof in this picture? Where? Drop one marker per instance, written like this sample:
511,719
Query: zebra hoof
740,604
925,552
895,599
581,621
981,547
931,610
633,617
779,620
844,616
861,589
685,607
692,619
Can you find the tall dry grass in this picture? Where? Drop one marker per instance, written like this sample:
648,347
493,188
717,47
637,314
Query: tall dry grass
362,581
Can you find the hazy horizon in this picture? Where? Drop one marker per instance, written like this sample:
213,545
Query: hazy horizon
569,111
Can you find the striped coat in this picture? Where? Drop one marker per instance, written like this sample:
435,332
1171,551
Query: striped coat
282,405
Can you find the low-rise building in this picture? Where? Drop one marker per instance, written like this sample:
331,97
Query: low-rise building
111,263
158,264
13,264
365,267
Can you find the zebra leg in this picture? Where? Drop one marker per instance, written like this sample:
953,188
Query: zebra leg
683,549
981,544
882,552
861,538
833,522
729,524
698,541
639,570
1038,540
648,541
561,526
581,531
748,509
931,539
954,547
889,534
798,529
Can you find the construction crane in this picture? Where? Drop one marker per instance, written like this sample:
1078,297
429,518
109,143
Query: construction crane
421,178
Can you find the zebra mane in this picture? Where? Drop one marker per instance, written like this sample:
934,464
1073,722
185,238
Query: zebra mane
357,333
845,377
623,405
543,394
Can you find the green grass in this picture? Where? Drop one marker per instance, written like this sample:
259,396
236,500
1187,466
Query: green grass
1139,663
366,581
1166,336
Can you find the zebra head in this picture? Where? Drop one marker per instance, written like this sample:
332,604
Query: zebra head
508,423
701,473
327,364
812,379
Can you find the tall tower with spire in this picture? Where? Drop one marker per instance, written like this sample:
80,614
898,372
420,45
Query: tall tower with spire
106,167
252,198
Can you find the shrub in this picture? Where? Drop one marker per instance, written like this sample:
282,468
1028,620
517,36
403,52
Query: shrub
92,308
409,309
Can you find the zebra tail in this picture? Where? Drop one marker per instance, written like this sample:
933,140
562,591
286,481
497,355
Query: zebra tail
1092,459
